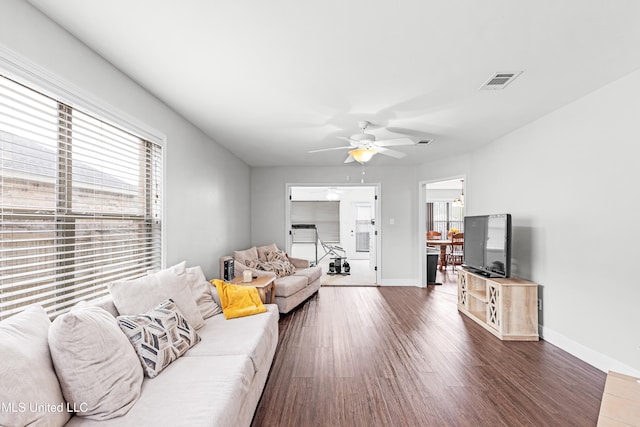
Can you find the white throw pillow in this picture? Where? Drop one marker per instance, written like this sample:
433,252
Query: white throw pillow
200,290
98,369
141,295
29,389
159,336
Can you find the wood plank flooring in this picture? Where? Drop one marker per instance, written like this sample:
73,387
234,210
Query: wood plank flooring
404,356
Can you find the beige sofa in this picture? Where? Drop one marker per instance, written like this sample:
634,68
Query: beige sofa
217,382
291,289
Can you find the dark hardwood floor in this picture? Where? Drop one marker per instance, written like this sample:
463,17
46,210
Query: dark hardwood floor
404,356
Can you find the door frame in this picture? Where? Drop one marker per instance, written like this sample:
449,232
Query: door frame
377,211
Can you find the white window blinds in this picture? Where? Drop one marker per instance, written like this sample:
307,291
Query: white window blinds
80,203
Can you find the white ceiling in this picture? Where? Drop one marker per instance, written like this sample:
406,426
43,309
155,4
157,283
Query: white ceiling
271,80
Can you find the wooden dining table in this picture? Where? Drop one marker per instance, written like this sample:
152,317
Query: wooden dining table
443,244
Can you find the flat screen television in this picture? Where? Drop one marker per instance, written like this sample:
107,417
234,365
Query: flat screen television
487,244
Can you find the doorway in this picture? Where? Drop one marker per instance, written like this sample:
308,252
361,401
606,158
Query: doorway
325,222
442,207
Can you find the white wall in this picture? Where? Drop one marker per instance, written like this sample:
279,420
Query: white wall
398,200
570,181
206,187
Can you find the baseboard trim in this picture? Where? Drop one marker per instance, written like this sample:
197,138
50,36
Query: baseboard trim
586,354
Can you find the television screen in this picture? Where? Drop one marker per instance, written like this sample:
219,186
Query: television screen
487,244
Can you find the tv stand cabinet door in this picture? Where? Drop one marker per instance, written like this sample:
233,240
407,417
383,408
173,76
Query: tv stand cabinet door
462,292
493,305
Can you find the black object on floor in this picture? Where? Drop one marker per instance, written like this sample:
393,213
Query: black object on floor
337,267
432,265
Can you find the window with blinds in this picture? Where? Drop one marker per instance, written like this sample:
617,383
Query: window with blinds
80,203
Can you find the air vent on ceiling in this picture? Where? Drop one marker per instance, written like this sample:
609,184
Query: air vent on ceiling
425,141
500,80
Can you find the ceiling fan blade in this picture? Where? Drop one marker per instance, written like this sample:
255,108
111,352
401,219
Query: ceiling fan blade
329,149
394,142
350,159
390,152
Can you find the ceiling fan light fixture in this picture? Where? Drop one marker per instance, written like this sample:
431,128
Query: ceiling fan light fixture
362,155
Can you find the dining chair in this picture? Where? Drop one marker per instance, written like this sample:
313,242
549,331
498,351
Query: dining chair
434,235
457,250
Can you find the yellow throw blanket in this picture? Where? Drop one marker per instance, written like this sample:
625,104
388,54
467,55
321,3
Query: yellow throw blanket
238,300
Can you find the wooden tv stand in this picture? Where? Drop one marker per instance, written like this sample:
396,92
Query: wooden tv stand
508,308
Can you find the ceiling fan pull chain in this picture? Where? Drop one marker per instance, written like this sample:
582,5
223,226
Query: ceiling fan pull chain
362,179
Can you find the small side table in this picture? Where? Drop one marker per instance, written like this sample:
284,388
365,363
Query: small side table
263,284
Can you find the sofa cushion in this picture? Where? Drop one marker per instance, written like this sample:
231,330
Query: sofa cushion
262,249
311,273
193,391
28,383
251,335
98,369
246,255
289,285
159,336
105,303
140,295
200,290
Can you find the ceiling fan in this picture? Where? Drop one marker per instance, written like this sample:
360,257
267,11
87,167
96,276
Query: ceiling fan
363,146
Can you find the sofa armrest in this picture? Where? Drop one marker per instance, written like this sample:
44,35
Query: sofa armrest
299,262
